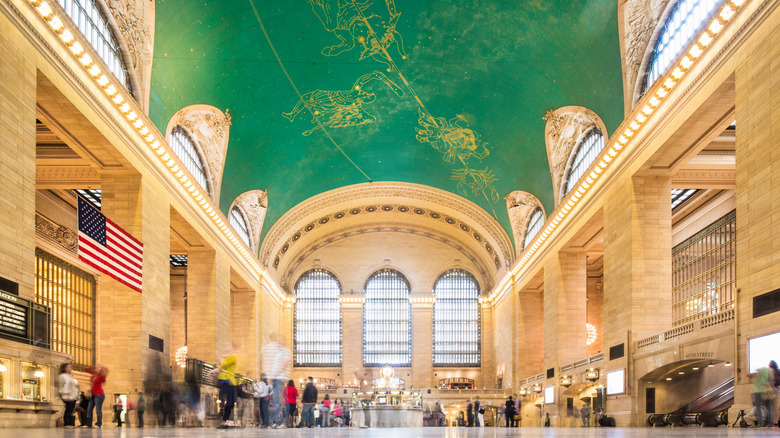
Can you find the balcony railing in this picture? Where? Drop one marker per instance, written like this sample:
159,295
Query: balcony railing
686,329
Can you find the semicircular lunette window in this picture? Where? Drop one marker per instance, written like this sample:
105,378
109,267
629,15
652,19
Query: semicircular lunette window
534,225
387,320
240,225
93,25
683,23
187,150
456,320
590,147
317,329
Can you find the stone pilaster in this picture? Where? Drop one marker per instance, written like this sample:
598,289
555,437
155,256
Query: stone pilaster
422,344
17,167
637,274
352,342
245,330
758,190
530,337
208,309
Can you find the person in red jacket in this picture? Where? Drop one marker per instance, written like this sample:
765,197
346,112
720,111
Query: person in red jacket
99,374
291,398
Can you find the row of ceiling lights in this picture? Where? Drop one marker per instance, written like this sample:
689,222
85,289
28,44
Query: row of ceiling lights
623,141
157,146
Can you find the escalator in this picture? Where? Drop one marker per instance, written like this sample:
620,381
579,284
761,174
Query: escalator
709,410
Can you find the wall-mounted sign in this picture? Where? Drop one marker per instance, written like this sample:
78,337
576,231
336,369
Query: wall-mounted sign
23,321
592,375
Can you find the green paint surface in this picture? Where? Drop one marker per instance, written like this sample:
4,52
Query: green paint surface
481,74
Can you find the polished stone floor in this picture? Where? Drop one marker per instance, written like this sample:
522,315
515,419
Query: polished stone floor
391,433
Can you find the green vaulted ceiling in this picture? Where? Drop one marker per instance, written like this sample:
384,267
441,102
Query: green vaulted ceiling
449,94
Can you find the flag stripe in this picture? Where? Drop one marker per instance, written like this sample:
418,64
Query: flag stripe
132,259
104,259
97,262
130,240
109,257
102,268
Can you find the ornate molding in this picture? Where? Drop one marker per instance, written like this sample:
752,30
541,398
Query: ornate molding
520,205
430,233
210,127
414,200
57,234
134,19
254,204
640,20
565,128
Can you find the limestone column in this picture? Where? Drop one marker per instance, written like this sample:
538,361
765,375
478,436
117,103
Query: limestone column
208,305
422,342
487,343
637,275
565,289
352,340
127,321
245,330
17,167
758,191
530,326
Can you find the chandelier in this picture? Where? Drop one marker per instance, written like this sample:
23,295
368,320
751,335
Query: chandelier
591,333
181,356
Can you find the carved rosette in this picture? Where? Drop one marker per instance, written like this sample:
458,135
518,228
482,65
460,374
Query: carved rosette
520,205
211,129
565,128
640,19
253,204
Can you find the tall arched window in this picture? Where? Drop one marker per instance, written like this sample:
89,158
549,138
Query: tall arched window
239,223
683,23
590,147
534,225
317,329
186,149
456,321
89,18
387,320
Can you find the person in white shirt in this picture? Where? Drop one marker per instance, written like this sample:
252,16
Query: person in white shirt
69,392
277,360
263,393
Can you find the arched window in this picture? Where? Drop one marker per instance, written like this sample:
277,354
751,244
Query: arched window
89,18
683,23
456,328
534,225
185,148
317,329
387,320
239,223
590,147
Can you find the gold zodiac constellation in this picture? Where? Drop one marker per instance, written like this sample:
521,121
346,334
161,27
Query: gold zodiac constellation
341,109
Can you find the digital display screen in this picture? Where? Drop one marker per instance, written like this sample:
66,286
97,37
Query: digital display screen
616,382
761,350
13,319
549,395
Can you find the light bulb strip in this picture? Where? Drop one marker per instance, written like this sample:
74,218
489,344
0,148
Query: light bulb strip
149,136
619,143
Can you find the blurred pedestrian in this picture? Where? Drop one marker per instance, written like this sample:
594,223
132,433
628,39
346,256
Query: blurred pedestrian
141,408
82,406
227,388
510,412
263,393
309,400
277,360
291,399
99,375
69,393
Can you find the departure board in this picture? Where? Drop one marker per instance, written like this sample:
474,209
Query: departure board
13,315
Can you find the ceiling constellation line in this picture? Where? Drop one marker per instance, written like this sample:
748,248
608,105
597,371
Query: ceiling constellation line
300,96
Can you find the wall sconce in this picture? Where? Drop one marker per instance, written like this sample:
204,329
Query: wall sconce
566,381
592,375
537,388
523,391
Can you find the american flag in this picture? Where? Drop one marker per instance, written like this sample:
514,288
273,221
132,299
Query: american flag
108,248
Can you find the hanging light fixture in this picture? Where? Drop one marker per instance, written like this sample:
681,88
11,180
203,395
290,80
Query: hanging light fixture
3,368
591,333
181,356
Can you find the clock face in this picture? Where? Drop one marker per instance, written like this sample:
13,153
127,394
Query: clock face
387,372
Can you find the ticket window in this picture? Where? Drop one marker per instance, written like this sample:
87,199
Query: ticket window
5,366
33,382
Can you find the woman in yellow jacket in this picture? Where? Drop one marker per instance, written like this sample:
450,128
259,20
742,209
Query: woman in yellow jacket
227,388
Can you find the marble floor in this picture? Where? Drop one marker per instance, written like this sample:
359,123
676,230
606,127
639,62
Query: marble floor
391,433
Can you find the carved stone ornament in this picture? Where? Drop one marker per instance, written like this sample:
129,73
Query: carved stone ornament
57,234
520,205
211,129
254,204
640,19
564,130
135,19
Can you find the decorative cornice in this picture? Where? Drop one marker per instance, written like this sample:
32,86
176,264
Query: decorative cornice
61,236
